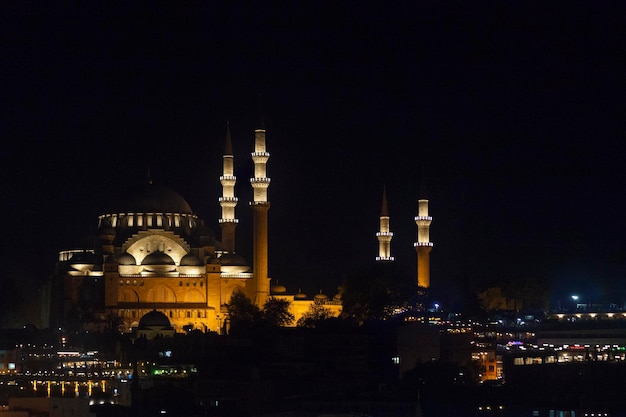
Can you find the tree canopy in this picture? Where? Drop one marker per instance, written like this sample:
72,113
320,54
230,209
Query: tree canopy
316,314
378,292
245,316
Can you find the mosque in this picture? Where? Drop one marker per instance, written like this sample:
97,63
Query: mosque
152,252
153,262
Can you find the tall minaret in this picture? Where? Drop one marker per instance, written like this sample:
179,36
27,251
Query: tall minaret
228,201
423,246
260,206
384,235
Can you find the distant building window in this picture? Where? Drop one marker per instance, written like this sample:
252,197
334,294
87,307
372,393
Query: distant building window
395,360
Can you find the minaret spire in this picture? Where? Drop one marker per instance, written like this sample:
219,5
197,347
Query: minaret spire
228,201
260,206
423,246
384,235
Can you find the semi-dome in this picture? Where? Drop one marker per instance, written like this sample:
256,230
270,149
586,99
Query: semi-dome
233,263
126,259
190,260
232,259
154,320
151,198
158,258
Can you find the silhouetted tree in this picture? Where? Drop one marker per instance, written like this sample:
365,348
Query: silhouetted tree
492,299
243,315
276,312
316,314
527,293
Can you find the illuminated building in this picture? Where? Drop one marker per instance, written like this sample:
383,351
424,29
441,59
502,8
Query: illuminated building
384,235
152,252
260,207
228,201
423,246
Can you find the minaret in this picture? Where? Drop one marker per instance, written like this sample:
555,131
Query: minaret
423,246
384,235
228,201
260,206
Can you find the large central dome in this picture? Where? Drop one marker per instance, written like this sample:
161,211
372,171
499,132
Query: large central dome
150,207
150,198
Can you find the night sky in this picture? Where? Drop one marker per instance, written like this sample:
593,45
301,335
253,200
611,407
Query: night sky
509,113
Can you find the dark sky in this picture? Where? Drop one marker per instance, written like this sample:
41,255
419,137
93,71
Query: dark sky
513,110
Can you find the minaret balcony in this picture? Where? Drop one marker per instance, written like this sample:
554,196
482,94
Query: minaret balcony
423,218
422,244
260,182
227,180
228,201
260,157
385,258
390,234
228,221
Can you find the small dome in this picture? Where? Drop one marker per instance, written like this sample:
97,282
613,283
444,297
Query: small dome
154,319
158,258
279,289
86,257
300,295
190,260
83,261
126,259
321,296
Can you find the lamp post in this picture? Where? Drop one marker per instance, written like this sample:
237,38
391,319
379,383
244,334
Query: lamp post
575,299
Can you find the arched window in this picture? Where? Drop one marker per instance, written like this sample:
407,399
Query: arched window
161,294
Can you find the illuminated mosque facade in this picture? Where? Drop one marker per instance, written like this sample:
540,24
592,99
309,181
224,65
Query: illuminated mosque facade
154,265
153,258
